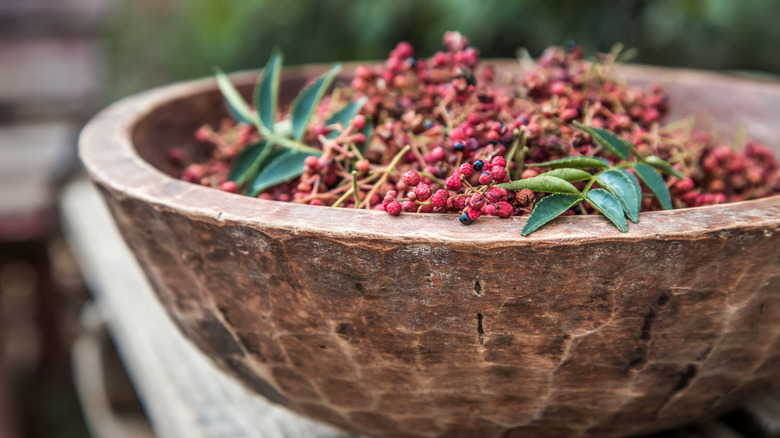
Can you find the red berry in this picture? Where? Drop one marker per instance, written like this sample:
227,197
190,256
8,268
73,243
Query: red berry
394,208
359,122
175,155
498,161
454,183
493,195
489,209
203,134
466,169
412,178
423,192
437,154
439,198
409,206
312,163
362,165
229,186
473,213
498,173
485,178
504,209
358,138
477,201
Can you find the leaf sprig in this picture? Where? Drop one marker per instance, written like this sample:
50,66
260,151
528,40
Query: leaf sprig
280,155
618,195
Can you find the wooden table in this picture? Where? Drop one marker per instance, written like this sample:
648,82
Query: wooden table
186,396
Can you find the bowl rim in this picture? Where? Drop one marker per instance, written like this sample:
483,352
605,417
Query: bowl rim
110,159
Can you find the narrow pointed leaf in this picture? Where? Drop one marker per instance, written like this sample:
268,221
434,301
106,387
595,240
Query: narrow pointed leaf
635,184
267,90
622,189
570,175
575,163
282,166
247,163
663,166
610,140
655,183
237,107
306,102
547,209
603,201
345,115
542,183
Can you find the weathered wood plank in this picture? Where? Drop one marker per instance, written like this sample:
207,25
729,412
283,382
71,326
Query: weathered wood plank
183,392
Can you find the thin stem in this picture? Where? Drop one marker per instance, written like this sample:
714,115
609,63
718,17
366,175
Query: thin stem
355,190
385,175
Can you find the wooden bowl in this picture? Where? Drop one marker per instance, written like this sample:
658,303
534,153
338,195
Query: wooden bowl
415,326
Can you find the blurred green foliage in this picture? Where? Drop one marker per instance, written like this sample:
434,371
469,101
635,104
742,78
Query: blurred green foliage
158,41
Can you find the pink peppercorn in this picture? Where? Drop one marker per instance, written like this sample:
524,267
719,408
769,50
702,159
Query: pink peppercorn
498,173
412,178
229,186
498,161
409,206
423,192
439,198
485,178
473,213
466,169
394,208
453,182
493,195
504,209
477,201
489,209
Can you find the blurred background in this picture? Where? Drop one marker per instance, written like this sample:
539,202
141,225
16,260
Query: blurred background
62,60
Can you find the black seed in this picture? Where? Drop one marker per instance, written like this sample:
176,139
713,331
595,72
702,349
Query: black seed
428,124
459,146
570,46
478,165
465,219
412,62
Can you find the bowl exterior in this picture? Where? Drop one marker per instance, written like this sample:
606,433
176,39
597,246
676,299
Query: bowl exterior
413,327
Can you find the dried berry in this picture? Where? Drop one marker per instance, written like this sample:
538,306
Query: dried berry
412,178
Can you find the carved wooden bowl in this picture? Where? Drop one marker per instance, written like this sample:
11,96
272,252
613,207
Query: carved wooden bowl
416,326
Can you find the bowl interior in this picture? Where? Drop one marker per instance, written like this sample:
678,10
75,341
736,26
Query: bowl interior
721,104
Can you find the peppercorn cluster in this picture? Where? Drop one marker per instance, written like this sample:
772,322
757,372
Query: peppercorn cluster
443,129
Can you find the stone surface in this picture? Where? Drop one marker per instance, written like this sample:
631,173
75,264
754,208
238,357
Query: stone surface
409,327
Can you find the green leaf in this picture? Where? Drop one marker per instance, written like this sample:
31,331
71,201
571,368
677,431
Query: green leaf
610,140
267,89
575,163
570,175
542,183
282,165
635,184
663,166
306,102
604,202
367,131
550,207
656,183
247,163
623,189
237,107
345,115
